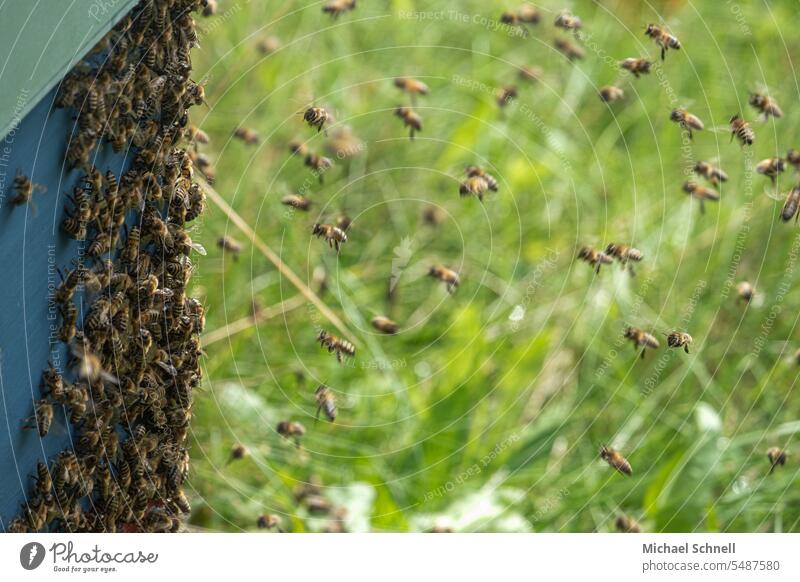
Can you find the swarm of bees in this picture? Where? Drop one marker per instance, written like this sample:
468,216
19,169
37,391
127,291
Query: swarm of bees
127,388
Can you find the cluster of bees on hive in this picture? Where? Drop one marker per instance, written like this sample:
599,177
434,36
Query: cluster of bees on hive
134,353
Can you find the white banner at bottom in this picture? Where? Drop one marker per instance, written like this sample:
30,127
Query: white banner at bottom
390,557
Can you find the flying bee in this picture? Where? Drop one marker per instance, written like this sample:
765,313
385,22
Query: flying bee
24,189
711,173
477,171
318,164
594,257
332,343
446,276
742,130
530,73
700,193
333,234
569,49
343,143
89,366
624,254
792,205
771,167
627,524
411,119
474,186
686,120
776,456
325,402
384,325
298,148
268,45
412,87
247,135
296,201
209,8
291,429
316,117
268,521
338,7
195,135
609,93
230,245
616,460
506,95
793,157
663,39
765,105
745,291
238,451
679,339
433,215
43,413
640,339
568,21
636,67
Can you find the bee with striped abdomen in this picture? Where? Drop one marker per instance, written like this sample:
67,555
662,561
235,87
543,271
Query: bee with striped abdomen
641,339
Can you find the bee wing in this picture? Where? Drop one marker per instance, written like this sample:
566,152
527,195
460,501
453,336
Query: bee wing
724,129
199,248
775,194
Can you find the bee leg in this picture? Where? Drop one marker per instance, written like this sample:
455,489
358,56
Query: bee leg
686,348
663,53
642,356
597,270
411,134
689,129
702,207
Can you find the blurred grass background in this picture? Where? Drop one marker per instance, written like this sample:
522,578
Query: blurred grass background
487,411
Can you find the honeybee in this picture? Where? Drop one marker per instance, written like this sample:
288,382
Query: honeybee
700,193
446,276
776,456
432,215
624,253
473,186
663,39
742,130
268,521
473,171
506,95
771,167
209,8
43,413
627,524
296,201
195,135
333,234
525,14
343,144
291,429
609,93
326,402
792,205
316,117
793,157
616,460
332,343
24,189
69,321
569,49
298,148
269,45
641,339
384,325
411,86
89,365
636,67
338,7
711,173
318,164
686,120
411,119
230,245
594,257
247,135
679,339
530,73
238,451
765,105
567,21
745,291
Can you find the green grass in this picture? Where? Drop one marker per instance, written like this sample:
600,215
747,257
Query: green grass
468,418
